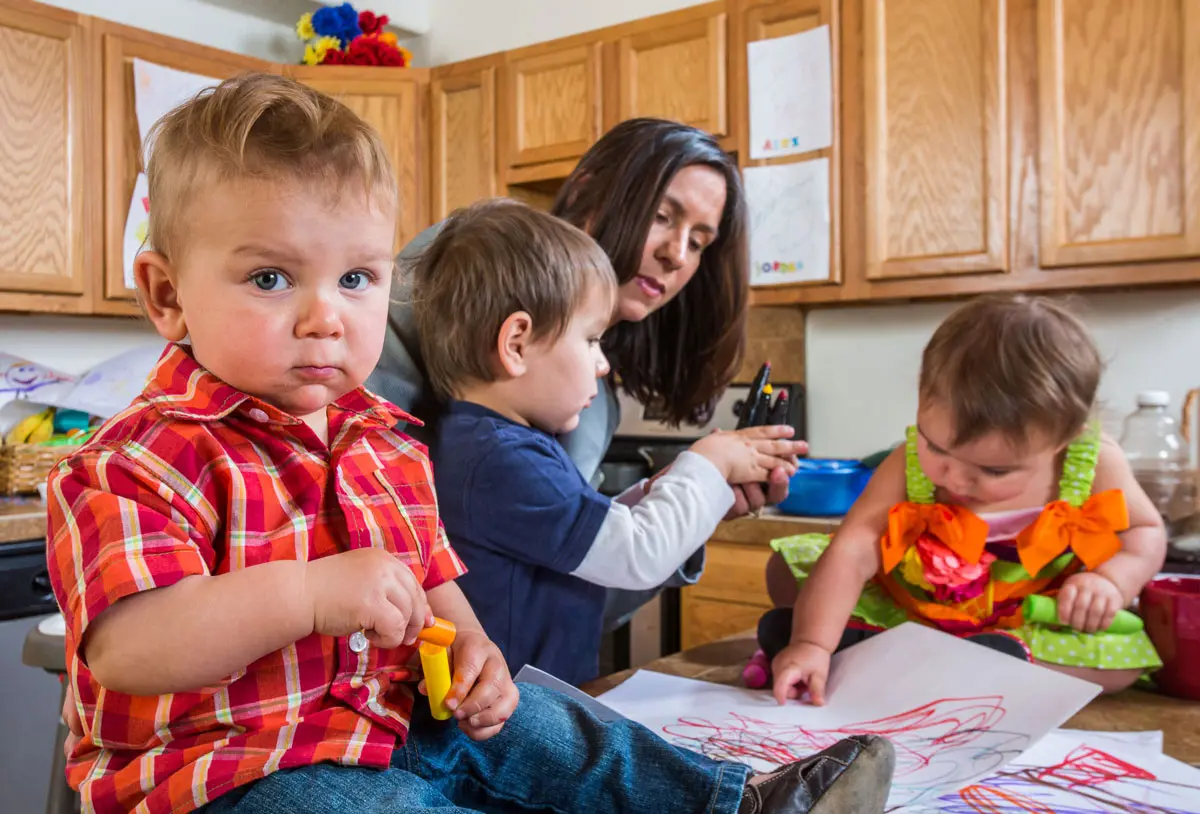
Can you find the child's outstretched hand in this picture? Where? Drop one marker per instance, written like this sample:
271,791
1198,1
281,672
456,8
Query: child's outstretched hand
1088,601
750,455
483,695
798,667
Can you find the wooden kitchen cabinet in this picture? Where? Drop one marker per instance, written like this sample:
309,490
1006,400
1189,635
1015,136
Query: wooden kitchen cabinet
558,98
396,103
463,135
676,69
1119,103
936,137
730,596
122,141
49,159
551,101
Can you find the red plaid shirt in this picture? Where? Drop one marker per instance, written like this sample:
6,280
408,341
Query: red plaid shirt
198,478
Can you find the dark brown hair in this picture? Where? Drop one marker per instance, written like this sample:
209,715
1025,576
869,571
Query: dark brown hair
487,262
1011,364
257,125
683,355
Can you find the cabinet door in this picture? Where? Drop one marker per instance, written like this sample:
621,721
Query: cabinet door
707,620
676,72
552,103
394,102
1119,88
936,137
463,135
47,159
122,142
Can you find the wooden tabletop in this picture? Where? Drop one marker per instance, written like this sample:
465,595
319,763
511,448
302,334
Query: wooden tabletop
1130,711
22,518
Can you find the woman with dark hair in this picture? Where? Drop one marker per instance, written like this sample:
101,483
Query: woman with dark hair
665,202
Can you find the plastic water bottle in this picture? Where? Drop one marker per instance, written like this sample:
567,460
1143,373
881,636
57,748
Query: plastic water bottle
1155,450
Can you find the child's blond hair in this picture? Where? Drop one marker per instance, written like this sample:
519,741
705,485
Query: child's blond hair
258,126
488,262
1012,364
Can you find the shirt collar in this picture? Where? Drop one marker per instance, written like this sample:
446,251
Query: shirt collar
179,387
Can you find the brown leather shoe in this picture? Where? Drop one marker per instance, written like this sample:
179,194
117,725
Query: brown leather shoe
853,776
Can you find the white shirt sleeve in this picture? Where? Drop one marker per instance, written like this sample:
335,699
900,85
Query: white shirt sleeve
642,543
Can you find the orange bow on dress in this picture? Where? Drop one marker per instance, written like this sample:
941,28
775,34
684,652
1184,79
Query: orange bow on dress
955,527
1090,531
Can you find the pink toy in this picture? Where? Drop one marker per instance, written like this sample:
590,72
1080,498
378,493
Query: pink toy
757,673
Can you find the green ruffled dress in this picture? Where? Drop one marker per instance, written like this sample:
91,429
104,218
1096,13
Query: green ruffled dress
1049,644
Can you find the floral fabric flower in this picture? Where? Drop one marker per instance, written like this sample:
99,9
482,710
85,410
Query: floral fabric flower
931,565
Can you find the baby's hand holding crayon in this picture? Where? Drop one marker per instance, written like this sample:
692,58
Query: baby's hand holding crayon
482,696
1088,601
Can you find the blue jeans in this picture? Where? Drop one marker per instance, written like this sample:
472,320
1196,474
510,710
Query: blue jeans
552,756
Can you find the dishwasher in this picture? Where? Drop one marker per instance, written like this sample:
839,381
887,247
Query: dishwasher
30,704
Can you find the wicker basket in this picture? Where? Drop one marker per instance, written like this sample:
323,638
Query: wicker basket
24,466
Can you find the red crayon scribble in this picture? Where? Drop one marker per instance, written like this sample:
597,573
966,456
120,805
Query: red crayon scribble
921,735
1088,779
988,800
1087,766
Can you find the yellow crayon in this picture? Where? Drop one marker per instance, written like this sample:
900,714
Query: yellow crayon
435,664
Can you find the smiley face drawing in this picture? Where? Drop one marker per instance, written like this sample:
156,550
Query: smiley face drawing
22,378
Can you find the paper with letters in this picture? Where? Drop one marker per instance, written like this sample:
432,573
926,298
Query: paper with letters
789,222
791,94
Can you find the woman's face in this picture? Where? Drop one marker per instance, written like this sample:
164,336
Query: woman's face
685,224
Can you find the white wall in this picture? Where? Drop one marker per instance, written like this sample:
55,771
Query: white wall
460,29
862,362
72,344
206,23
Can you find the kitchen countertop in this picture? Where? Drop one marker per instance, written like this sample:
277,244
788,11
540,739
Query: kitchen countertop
721,662
770,525
22,518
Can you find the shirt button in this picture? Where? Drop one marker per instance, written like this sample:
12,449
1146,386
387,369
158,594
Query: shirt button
259,415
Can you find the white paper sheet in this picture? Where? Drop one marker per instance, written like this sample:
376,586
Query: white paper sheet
108,388
137,221
789,222
532,675
955,711
1148,741
158,90
1078,775
791,94
22,379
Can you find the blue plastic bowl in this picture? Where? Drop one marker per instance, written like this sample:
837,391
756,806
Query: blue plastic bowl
825,487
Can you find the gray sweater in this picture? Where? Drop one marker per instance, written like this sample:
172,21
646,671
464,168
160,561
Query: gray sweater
400,378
